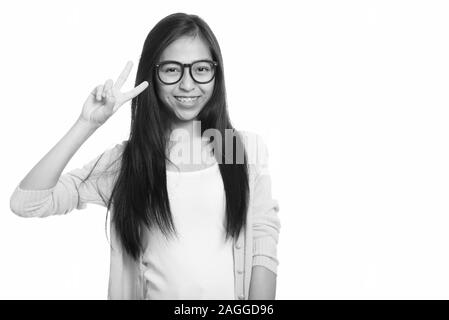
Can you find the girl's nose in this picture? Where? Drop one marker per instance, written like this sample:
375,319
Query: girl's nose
187,83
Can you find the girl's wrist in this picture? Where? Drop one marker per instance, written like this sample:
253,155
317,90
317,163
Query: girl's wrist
85,124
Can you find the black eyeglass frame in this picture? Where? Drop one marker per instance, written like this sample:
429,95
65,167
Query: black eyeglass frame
183,66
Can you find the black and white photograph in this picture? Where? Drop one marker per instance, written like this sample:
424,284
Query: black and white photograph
205,150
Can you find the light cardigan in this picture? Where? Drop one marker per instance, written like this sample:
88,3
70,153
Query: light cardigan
256,244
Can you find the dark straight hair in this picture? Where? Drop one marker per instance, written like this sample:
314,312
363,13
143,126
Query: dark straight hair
139,198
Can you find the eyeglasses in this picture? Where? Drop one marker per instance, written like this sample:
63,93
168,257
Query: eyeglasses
171,72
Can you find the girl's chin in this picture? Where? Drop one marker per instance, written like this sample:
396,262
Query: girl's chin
186,116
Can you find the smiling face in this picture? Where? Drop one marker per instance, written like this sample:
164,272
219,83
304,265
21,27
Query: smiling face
186,98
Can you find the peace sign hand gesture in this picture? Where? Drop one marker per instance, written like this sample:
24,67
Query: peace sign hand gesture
104,100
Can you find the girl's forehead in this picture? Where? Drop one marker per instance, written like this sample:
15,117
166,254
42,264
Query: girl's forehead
187,49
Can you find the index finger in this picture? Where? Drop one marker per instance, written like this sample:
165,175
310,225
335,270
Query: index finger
136,91
124,75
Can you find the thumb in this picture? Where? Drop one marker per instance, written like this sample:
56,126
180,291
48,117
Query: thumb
109,101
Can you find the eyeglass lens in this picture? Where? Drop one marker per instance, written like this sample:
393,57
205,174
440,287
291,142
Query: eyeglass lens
201,71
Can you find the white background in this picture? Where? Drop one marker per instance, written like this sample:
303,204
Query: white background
350,96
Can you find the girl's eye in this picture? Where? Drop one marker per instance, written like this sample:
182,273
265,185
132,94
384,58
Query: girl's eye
203,69
169,70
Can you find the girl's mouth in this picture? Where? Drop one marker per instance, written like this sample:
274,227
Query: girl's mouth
185,99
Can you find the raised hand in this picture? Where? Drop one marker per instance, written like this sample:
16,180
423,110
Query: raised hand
104,100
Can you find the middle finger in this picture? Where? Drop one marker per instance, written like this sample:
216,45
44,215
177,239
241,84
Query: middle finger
124,75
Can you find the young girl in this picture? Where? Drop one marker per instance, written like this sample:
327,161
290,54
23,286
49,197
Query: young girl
192,215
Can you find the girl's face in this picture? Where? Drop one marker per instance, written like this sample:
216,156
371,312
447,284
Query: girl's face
186,98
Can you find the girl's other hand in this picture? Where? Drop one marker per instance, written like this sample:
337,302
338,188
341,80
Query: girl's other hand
104,100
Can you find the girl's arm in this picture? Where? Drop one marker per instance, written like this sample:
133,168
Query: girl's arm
46,172
263,284
265,227
39,193
102,102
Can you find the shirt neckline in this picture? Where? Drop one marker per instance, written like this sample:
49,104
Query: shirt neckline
193,172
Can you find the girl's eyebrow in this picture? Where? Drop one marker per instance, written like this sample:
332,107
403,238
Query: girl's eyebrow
199,59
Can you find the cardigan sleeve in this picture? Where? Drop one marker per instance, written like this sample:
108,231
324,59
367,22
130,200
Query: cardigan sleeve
74,190
266,224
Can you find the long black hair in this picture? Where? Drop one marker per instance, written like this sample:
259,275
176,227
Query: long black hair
139,197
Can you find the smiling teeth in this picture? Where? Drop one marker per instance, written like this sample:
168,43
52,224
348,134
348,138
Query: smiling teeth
184,99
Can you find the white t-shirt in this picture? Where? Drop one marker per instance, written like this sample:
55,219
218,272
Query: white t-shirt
199,263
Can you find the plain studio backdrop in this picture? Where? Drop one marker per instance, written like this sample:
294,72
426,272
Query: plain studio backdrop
351,98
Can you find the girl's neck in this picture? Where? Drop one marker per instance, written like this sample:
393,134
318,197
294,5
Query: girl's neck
186,145
187,131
